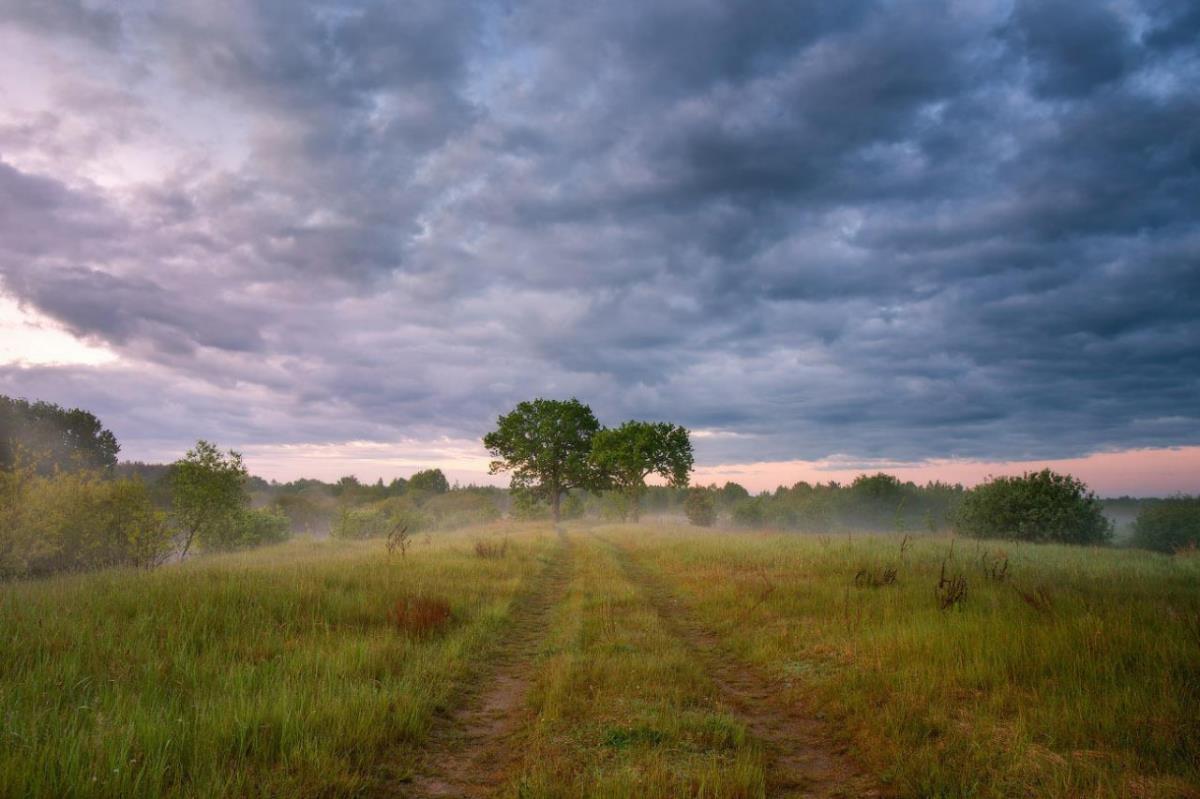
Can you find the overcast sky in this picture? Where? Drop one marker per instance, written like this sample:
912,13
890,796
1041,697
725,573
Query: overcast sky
336,234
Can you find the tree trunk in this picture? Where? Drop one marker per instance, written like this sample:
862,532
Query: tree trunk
187,544
555,507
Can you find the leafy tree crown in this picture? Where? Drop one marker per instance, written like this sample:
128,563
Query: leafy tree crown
547,445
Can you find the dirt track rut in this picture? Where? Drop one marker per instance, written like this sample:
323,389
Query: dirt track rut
802,759
472,751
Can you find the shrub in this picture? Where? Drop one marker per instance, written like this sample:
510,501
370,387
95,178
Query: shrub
1038,506
76,521
360,523
749,512
307,511
700,507
378,520
245,528
1169,526
491,550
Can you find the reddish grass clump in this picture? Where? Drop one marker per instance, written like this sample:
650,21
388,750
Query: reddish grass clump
491,550
420,616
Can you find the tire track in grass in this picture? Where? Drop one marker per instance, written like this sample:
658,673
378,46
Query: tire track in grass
471,752
802,758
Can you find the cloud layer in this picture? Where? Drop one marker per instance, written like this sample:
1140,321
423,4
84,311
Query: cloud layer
901,231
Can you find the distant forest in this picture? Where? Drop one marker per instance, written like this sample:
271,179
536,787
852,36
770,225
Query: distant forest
67,503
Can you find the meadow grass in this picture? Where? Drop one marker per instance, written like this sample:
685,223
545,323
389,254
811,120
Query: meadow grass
273,672
1090,688
624,709
282,671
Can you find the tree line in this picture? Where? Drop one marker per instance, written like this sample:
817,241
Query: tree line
67,504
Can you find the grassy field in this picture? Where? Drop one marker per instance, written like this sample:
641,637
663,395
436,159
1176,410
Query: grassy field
275,672
1078,674
613,661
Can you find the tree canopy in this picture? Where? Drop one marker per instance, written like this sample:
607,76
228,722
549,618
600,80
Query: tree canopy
51,437
431,480
208,490
625,456
547,445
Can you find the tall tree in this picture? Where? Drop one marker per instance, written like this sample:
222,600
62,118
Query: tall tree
52,437
547,445
208,490
628,454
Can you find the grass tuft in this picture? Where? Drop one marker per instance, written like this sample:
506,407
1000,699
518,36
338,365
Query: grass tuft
420,616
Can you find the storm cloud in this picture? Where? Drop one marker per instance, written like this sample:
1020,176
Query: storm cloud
895,231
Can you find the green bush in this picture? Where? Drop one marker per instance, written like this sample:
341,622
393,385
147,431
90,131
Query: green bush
700,507
1171,525
77,521
750,512
307,511
248,528
1038,506
359,523
379,519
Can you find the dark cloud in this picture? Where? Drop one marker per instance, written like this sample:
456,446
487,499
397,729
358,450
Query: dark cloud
1072,48
884,230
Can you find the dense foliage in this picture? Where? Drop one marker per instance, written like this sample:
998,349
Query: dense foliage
700,507
555,446
72,521
547,445
1170,525
625,456
208,494
1037,506
870,502
51,437
429,480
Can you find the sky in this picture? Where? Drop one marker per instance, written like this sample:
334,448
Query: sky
936,238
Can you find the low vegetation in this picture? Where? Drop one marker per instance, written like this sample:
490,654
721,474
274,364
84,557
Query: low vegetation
72,521
317,668
1074,674
700,508
1172,525
306,669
